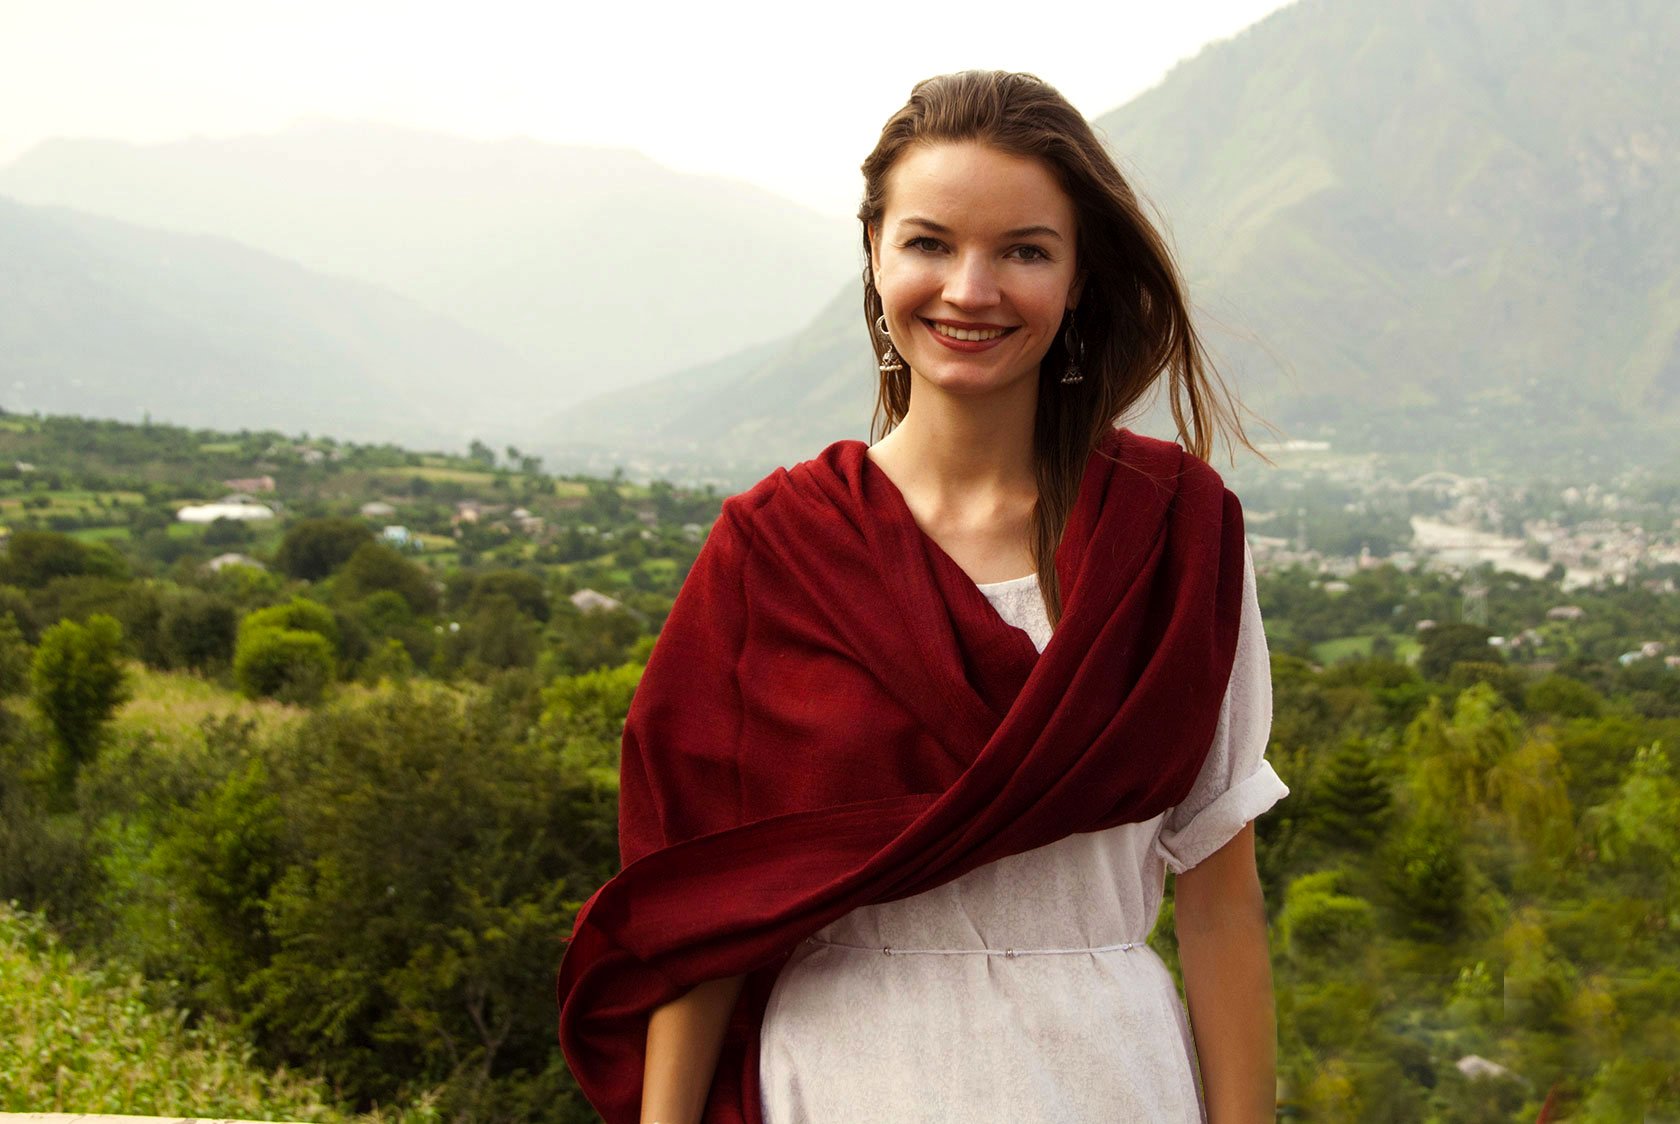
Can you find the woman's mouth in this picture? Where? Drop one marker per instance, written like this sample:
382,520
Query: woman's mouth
970,339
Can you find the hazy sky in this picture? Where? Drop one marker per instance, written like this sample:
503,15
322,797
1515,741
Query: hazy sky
784,95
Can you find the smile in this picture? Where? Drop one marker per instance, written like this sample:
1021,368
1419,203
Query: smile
967,334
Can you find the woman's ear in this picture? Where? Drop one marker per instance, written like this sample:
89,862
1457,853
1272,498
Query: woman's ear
873,233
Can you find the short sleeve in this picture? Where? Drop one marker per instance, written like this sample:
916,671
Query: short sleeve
1236,783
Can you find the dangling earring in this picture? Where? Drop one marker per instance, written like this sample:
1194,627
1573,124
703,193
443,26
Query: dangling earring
890,361
1075,348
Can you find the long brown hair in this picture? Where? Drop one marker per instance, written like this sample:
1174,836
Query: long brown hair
1133,319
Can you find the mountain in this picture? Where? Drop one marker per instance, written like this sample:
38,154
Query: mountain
728,420
1437,207
598,265
105,319
1443,229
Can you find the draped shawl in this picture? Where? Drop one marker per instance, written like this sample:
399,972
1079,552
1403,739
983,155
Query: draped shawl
834,715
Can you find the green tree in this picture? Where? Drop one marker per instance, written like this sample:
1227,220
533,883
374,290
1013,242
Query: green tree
375,568
1447,644
1350,797
34,558
197,630
314,548
78,681
287,664
433,856
15,657
299,614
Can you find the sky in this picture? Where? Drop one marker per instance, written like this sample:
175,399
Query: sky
787,96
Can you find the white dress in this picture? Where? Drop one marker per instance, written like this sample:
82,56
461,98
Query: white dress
1022,991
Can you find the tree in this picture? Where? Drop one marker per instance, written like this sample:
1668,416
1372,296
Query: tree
34,558
283,663
375,567
14,657
314,548
299,613
78,682
196,630
1351,797
525,588
1447,644
433,855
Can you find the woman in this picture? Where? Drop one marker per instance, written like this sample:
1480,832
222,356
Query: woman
890,853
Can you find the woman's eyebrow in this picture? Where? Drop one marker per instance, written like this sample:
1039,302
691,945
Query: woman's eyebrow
1018,232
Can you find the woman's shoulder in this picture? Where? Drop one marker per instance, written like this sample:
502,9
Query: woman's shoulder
803,490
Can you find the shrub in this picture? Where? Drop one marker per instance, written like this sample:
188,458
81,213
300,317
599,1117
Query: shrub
287,664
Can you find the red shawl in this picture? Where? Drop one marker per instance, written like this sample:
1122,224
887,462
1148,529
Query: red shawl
835,716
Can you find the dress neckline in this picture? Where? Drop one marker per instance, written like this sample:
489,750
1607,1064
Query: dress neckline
1008,583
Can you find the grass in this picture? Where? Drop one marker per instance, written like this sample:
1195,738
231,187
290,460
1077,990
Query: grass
171,705
1349,647
437,473
68,502
83,1038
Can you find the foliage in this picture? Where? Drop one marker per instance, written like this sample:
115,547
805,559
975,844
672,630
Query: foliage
375,567
287,664
15,657
314,548
77,682
86,1039
34,558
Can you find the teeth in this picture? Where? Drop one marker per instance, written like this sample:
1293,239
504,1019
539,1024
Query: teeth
969,333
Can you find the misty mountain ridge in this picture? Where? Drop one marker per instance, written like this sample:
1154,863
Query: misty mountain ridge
105,319
598,266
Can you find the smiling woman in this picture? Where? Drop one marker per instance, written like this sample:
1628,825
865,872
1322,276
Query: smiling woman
933,717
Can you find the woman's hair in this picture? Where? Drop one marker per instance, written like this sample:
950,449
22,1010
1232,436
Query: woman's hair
1133,319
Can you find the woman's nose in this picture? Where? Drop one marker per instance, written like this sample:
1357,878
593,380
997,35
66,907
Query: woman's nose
971,284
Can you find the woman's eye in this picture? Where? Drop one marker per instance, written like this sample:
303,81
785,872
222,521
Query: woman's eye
923,243
1031,253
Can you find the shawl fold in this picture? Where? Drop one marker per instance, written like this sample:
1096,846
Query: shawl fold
834,716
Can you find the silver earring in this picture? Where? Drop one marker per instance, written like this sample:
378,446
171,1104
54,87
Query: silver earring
1075,348
890,361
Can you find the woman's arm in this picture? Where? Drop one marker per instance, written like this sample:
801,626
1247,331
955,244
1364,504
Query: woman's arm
684,1039
1220,916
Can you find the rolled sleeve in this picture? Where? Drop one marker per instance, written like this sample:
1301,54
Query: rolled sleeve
1236,783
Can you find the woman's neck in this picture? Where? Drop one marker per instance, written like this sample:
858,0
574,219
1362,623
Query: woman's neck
965,469
954,450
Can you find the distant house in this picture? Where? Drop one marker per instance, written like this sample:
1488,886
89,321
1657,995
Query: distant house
589,601
1474,1065
467,511
217,564
377,509
1565,613
228,507
250,484
398,536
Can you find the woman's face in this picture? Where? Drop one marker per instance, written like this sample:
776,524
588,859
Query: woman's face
974,261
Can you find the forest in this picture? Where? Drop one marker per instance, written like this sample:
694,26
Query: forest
297,835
